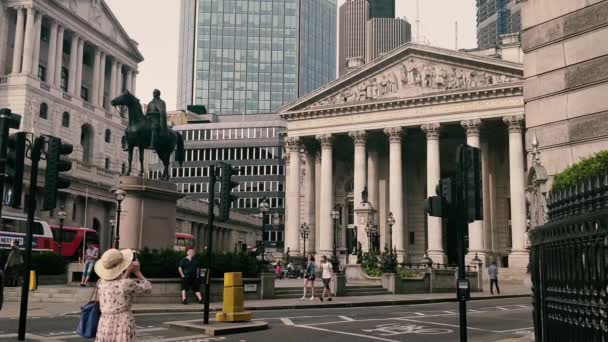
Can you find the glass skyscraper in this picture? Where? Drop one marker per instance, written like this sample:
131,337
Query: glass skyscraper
495,18
254,56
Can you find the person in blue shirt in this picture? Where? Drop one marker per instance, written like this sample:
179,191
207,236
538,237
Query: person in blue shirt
309,277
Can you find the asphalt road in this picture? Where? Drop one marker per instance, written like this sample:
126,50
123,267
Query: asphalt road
488,320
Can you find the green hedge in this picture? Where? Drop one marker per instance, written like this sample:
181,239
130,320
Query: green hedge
164,263
586,168
44,263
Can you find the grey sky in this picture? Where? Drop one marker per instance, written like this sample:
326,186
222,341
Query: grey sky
154,24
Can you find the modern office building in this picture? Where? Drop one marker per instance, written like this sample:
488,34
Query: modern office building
368,29
495,18
253,143
253,56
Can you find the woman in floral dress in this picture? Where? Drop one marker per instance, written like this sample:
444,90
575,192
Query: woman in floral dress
115,294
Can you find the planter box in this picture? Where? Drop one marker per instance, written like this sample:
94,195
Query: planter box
397,285
356,272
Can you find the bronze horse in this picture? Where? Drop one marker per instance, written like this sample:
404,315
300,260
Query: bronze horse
139,134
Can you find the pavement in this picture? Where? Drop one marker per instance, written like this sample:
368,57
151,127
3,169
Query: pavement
11,309
490,320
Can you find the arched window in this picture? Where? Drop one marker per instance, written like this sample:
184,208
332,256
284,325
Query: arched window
44,111
123,142
107,163
86,141
65,120
96,224
108,136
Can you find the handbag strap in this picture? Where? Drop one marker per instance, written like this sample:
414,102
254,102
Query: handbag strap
95,292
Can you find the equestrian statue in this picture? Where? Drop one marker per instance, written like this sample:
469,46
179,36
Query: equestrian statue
150,131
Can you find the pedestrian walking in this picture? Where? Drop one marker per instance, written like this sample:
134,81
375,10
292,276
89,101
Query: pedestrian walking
309,277
493,273
189,270
14,264
327,273
115,292
90,257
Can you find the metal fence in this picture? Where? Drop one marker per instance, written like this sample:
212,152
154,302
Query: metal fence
569,265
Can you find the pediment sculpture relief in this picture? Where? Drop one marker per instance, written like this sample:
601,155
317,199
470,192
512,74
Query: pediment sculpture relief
415,77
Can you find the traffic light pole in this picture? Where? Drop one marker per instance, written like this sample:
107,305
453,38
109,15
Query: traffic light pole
4,129
211,213
36,151
460,223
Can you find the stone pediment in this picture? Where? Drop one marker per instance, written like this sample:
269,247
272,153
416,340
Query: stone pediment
98,14
412,71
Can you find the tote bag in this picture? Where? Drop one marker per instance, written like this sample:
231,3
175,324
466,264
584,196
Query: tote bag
90,314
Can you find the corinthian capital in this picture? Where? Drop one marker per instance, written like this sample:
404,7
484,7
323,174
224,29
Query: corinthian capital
431,130
471,126
326,140
359,137
395,134
292,143
515,123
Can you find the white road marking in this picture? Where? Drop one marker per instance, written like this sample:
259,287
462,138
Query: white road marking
442,324
346,318
528,329
346,333
502,308
200,338
450,312
419,314
138,331
287,321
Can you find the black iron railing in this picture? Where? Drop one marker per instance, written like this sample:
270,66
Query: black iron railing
569,265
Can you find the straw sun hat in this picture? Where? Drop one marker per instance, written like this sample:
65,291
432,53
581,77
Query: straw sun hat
113,262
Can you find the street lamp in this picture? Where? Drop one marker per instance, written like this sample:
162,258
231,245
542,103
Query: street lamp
119,195
112,227
61,215
264,207
335,215
304,230
390,221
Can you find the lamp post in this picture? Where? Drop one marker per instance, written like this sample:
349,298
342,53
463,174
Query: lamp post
119,195
335,215
112,227
304,231
390,221
61,215
264,207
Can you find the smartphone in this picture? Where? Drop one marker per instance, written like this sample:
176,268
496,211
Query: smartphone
135,256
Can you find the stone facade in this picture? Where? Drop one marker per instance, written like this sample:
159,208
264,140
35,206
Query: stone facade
387,133
566,79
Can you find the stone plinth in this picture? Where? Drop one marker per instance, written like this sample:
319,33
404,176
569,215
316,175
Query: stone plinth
148,213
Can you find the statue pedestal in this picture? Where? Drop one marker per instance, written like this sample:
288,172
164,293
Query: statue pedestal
148,213
365,216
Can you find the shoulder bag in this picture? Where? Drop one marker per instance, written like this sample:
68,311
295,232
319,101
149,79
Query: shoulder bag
90,314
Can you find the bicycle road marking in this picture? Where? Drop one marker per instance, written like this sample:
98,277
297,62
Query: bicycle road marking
347,333
395,329
346,318
287,321
442,324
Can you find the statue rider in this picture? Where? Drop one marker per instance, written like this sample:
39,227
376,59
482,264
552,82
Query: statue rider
159,125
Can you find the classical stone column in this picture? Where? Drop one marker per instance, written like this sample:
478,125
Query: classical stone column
73,64
518,258
134,82
317,222
395,135
102,80
28,44
309,199
292,194
112,87
18,49
59,56
80,66
433,174
360,180
52,54
95,86
373,181
4,27
129,80
476,233
37,38
326,229
118,79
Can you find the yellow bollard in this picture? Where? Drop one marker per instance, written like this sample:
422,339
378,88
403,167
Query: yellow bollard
234,300
33,282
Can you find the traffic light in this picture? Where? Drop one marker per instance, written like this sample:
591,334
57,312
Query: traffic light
469,164
55,165
438,205
15,161
226,187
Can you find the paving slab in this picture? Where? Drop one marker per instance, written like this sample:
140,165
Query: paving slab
217,328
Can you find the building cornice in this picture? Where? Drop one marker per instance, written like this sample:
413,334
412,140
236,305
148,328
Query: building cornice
498,91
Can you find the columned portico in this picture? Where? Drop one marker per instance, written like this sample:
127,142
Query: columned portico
73,64
476,231
326,234
18,48
519,256
433,174
360,183
292,195
58,56
395,135
52,53
29,42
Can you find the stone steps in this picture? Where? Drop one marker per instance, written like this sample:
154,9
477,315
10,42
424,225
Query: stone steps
366,290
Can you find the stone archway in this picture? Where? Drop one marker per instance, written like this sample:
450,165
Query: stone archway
87,143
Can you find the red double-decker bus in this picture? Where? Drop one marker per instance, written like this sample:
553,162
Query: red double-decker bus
73,238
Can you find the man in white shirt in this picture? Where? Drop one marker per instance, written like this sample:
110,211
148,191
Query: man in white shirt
90,257
326,274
